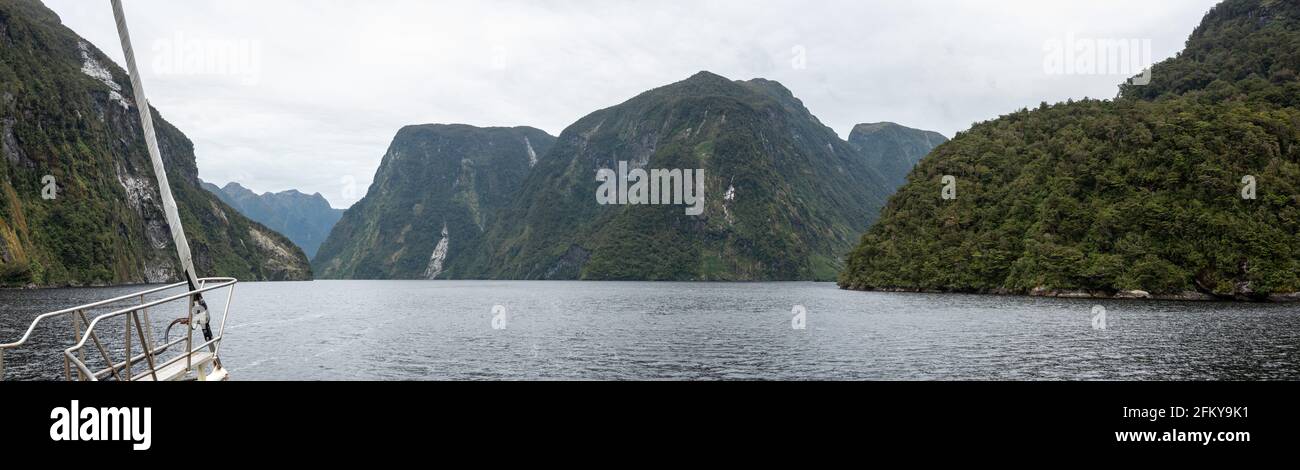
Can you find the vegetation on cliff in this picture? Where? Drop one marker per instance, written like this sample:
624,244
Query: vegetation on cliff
78,201
1141,193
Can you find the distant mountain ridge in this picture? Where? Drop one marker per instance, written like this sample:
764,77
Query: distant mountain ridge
894,150
305,219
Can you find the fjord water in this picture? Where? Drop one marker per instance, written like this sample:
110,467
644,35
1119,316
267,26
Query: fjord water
387,330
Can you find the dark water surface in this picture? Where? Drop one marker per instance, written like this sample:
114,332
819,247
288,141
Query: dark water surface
387,330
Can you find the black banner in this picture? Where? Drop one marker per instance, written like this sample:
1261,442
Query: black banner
323,420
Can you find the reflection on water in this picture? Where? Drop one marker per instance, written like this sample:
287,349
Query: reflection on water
386,330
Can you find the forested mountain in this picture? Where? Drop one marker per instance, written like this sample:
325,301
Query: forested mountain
783,195
1147,194
437,190
78,201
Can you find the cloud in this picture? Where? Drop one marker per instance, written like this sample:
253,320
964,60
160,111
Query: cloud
306,94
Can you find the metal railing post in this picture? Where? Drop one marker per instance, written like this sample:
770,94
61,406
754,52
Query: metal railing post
148,352
128,349
100,346
189,337
148,325
221,333
76,335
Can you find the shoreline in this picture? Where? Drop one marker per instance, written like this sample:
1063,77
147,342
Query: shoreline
34,287
1189,296
111,286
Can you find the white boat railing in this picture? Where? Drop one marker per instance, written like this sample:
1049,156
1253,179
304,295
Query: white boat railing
202,359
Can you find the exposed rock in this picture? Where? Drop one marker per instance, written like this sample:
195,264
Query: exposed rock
439,256
92,68
1292,297
1187,296
1133,294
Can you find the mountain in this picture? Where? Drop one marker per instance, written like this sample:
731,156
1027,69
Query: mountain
893,150
783,196
69,122
305,219
437,189
1187,187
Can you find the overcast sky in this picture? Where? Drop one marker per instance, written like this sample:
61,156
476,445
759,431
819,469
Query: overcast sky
308,93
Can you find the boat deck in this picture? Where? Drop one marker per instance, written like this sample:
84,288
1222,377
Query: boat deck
177,370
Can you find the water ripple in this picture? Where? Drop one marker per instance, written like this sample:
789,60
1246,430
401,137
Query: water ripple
355,330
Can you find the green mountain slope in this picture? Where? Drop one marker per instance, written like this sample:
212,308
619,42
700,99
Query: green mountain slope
438,188
893,150
1141,193
67,112
785,197
305,219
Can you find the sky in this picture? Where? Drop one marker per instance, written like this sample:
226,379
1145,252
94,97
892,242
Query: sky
307,94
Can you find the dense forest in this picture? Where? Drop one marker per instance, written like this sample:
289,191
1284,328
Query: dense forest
1146,194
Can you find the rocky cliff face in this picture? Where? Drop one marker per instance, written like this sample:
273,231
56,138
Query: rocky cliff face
78,201
437,190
